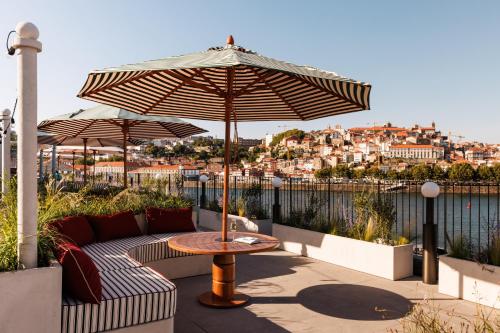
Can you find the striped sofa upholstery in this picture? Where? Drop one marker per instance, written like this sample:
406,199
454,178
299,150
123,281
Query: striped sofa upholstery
130,297
132,294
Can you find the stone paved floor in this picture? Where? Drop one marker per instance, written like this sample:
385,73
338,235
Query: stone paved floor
297,294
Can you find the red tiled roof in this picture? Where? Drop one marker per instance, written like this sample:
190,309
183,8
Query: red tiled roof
415,146
377,128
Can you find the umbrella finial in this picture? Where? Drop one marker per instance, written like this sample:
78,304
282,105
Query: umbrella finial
230,40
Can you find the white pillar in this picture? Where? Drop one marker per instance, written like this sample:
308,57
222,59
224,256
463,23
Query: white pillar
5,150
27,47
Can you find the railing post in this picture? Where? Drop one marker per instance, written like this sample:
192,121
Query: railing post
6,159
430,191
203,197
277,183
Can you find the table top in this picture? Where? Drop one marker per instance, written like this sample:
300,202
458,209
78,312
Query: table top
209,243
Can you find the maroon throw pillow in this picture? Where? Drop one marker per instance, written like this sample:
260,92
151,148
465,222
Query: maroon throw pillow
75,229
163,220
80,275
114,226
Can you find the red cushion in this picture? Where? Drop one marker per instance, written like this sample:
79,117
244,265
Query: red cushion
80,275
119,225
163,220
75,229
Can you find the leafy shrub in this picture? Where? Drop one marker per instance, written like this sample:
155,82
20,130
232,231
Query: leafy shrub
494,251
54,204
461,248
373,218
253,203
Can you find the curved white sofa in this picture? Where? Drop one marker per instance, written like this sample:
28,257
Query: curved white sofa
137,296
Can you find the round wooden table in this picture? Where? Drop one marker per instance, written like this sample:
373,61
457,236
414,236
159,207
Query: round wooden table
223,294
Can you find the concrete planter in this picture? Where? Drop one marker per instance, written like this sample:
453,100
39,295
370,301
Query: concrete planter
31,300
469,280
212,220
390,262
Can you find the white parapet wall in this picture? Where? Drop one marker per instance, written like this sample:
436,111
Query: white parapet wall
469,280
212,220
390,262
31,300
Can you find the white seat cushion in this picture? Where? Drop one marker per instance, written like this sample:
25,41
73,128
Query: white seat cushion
130,297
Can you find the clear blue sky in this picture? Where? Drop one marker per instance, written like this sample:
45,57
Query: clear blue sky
426,60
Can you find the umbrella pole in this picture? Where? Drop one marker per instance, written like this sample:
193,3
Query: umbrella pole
228,108
125,130
74,179
84,161
93,168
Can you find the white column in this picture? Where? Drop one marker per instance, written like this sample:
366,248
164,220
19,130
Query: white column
27,47
5,150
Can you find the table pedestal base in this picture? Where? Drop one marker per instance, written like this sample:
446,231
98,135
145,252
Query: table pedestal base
223,294
211,300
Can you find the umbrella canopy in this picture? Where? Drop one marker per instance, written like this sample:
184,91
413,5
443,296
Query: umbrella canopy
61,140
58,140
109,122
225,83
196,86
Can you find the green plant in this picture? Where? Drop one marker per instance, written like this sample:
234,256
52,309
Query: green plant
51,206
383,212
253,207
461,248
494,251
241,206
429,318
370,232
213,205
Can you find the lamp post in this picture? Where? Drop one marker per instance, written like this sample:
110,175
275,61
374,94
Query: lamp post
430,191
277,182
203,197
27,46
5,150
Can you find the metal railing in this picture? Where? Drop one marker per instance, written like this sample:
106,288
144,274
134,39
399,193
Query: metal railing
470,209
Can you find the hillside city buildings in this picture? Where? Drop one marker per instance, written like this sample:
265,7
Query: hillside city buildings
299,154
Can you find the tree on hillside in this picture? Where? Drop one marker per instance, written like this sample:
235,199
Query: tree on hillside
495,169
421,172
324,173
392,174
461,172
359,173
484,172
438,173
342,171
278,137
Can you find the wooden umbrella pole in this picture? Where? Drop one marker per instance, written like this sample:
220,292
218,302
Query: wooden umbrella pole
227,146
84,161
125,132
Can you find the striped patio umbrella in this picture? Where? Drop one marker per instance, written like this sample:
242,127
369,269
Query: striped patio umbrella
227,83
44,138
105,122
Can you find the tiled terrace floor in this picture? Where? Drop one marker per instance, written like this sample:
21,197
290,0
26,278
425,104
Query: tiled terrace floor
296,294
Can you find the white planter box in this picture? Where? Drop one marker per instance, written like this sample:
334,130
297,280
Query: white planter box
390,262
213,220
469,280
31,300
